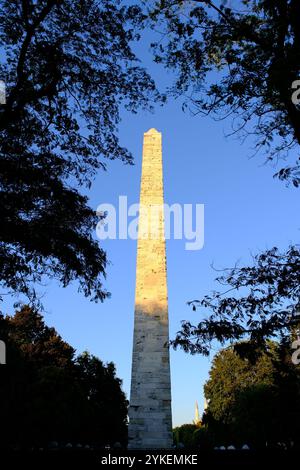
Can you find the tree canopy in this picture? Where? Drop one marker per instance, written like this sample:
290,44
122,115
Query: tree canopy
184,434
68,67
258,302
49,394
253,403
240,59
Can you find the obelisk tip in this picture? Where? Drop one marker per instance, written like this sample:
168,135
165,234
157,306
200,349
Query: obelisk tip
152,131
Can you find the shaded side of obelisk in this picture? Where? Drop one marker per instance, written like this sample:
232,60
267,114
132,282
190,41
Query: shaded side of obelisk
150,420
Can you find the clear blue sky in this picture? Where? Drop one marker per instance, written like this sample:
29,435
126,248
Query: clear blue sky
246,210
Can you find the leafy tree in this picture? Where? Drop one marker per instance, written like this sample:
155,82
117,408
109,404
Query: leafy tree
47,394
68,67
37,342
195,436
204,438
241,61
228,375
259,302
107,416
253,402
184,434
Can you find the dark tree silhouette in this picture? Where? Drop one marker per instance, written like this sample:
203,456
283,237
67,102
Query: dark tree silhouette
268,304
106,418
68,67
184,434
48,394
241,61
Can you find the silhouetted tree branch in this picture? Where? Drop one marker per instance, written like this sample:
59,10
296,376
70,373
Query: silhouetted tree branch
260,302
239,63
68,67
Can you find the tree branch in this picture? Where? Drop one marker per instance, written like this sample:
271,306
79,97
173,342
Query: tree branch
30,32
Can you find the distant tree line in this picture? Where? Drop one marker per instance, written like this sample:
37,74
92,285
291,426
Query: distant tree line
48,394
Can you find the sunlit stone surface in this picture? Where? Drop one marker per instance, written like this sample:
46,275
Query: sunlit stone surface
150,424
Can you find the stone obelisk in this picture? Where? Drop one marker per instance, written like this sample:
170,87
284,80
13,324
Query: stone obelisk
150,421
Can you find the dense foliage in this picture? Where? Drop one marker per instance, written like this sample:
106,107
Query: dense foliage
238,59
68,67
184,435
254,403
49,395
